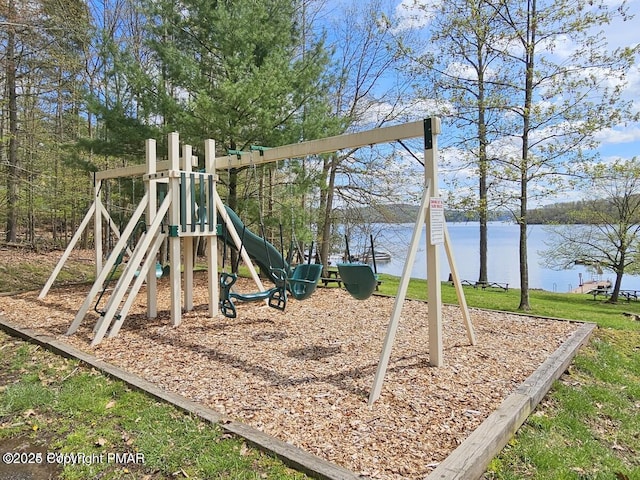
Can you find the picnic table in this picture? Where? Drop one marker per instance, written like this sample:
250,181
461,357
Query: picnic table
332,277
600,291
485,285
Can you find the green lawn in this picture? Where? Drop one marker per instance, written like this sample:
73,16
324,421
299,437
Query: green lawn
62,409
558,305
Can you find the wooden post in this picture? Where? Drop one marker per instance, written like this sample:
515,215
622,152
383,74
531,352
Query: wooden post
187,241
434,290
238,242
147,268
174,226
67,252
212,240
432,214
462,301
111,261
121,289
400,297
152,189
97,224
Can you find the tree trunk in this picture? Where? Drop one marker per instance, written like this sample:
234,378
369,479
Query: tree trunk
325,240
616,288
483,187
13,161
619,274
524,265
524,165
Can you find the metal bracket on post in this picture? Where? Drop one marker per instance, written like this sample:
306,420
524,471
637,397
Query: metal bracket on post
431,127
428,134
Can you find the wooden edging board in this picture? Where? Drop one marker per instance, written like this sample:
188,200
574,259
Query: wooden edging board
469,461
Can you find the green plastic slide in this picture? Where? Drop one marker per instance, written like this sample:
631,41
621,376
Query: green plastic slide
301,282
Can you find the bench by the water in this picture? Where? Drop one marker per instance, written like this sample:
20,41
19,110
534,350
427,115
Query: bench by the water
332,277
485,285
630,294
599,291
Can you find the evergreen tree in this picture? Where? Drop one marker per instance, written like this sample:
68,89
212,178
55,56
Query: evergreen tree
240,72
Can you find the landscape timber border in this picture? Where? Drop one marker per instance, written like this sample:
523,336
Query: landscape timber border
468,461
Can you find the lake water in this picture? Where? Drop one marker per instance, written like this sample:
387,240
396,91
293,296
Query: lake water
503,265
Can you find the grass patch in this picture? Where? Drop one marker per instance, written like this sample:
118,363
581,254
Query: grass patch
571,306
63,407
588,427
20,272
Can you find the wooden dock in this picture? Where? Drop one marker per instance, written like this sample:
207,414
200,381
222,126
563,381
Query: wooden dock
590,286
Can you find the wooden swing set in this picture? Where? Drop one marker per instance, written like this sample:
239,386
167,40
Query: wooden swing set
193,207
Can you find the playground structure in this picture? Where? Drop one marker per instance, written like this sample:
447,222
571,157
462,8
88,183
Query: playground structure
193,207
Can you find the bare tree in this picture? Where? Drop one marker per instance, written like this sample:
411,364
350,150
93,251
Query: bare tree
362,95
606,229
11,87
40,41
462,71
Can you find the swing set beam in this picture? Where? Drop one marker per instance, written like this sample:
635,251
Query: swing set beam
324,145
296,150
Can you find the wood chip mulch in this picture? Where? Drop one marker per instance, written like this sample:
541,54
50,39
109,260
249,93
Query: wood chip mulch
304,375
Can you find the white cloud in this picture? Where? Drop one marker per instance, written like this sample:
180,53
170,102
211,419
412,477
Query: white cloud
619,135
414,14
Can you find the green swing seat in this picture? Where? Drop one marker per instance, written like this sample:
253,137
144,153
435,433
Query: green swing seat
359,279
276,296
304,280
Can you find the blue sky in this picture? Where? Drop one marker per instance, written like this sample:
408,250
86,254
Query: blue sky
625,140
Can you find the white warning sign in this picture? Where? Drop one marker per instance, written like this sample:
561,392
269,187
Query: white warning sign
436,218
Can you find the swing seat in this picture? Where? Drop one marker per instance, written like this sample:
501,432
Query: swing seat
304,280
253,297
358,279
277,296
159,272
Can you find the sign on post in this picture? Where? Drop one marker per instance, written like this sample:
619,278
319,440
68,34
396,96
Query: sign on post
436,216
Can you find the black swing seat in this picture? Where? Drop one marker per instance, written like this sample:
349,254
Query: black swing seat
276,296
359,279
304,280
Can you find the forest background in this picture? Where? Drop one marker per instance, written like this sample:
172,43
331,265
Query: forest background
525,90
